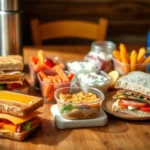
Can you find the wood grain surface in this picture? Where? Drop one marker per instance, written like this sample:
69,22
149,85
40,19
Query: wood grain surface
119,134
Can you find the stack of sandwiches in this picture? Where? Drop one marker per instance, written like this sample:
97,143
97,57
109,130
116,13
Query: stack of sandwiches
18,115
133,96
11,73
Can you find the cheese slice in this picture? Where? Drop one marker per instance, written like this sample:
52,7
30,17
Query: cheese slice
3,130
16,97
18,120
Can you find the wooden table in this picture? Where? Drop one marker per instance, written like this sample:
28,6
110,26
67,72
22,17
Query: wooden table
117,135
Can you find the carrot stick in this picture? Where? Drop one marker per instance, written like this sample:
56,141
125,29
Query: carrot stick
57,78
116,55
42,75
70,76
133,60
141,55
41,56
61,73
51,94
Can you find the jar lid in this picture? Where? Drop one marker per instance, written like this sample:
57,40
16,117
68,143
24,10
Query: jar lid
98,46
9,5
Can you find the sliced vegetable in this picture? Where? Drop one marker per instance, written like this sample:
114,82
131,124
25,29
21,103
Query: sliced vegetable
27,125
70,76
41,56
122,105
61,73
42,75
2,86
66,108
13,85
145,109
49,62
133,103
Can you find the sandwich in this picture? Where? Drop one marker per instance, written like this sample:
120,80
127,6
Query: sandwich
133,95
18,115
11,73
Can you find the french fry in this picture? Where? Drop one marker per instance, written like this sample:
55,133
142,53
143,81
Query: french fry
147,60
116,55
124,59
141,55
133,60
124,54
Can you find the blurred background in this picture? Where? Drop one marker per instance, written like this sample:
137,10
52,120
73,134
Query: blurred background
129,21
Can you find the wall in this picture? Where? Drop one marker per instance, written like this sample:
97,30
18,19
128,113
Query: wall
128,20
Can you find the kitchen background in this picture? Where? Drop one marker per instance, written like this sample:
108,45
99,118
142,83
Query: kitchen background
129,21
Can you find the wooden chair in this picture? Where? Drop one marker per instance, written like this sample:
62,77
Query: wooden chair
68,28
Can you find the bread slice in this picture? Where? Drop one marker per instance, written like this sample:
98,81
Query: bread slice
8,103
136,81
136,112
19,136
11,62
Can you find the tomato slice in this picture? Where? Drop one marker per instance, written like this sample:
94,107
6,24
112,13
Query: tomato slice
145,109
133,103
122,105
1,124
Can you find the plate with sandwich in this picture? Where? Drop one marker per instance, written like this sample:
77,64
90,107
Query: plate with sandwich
131,100
18,115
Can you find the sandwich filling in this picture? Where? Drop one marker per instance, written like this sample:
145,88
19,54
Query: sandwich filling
9,123
132,101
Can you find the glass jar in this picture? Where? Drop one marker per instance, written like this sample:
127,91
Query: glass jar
101,54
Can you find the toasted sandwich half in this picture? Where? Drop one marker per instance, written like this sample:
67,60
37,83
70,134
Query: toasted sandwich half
18,128
11,75
18,115
11,63
133,96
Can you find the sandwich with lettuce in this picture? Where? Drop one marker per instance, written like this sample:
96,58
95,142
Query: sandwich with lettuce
133,95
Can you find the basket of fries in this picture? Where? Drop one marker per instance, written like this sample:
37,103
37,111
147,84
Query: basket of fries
125,62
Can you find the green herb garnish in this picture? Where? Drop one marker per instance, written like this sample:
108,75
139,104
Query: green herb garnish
140,97
27,125
66,108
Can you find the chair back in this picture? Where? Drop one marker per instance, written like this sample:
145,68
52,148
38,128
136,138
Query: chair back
68,28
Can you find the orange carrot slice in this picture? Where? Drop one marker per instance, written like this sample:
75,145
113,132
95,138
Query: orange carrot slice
51,94
61,73
70,76
41,56
42,75
46,89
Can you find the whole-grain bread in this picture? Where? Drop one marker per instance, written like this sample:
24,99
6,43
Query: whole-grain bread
19,136
136,81
11,62
18,108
